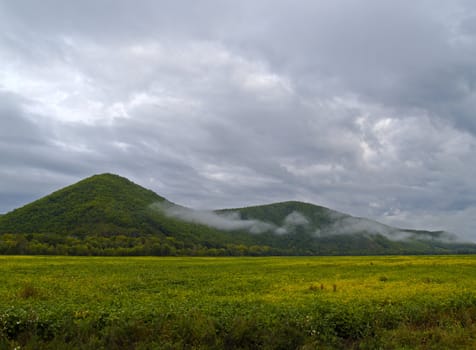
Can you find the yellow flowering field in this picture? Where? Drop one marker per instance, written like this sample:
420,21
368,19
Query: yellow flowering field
388,302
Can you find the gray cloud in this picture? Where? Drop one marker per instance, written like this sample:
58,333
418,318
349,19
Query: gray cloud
365,107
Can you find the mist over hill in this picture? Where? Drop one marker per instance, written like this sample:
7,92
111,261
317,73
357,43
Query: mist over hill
109,215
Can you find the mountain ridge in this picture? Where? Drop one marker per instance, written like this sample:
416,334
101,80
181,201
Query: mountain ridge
107,214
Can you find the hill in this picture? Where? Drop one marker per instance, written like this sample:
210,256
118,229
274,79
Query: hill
316,230
105,215
102,203
109,215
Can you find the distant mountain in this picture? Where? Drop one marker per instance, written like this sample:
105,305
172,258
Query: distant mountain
110,215
292,216
318,230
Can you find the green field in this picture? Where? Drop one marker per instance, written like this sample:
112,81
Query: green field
238,303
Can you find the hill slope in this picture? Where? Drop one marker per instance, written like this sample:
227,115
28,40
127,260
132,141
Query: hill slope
110,215
105,203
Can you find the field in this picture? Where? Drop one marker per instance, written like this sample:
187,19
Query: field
424,302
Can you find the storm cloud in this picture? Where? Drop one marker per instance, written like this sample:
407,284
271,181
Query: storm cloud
366,107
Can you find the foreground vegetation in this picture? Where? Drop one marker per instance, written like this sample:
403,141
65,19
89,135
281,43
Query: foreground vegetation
238,303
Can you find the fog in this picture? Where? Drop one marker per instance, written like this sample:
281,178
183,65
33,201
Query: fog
225,221
341,224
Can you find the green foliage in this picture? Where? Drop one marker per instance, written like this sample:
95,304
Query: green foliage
275,213
237,303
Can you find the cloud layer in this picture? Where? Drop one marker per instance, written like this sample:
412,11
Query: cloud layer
363,106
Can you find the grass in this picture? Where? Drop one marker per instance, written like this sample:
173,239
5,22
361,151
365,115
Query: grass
425,302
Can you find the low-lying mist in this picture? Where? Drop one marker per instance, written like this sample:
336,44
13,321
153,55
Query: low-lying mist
340,224
231,221
227,221
345,225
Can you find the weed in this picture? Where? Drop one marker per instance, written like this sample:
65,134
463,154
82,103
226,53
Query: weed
28,290
313,287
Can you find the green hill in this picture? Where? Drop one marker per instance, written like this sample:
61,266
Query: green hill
110,215
315,230
106,215
99,204
276,213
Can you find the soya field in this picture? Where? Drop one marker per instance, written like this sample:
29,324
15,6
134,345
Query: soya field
238,303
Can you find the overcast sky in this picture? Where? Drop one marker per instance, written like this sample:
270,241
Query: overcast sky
365,106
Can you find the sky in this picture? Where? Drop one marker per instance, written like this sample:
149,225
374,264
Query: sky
367,107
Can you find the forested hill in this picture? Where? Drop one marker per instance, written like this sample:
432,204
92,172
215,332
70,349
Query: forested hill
110,215
98,204
290,213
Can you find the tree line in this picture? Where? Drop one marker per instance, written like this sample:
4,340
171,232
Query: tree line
122,245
